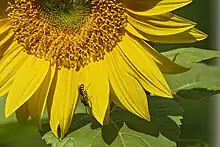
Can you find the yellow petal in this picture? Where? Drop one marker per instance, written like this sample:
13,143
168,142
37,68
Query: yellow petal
189,36
13,46
37,102
127,88
144,68
6,41
64,101
10,54
162,25
4,89
51,93
113,98
10,64
107,114
4,20
132,30
164,64
98,89
22,113
27,80
5,26
154,7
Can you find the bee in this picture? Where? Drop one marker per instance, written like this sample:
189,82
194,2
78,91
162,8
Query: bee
84,97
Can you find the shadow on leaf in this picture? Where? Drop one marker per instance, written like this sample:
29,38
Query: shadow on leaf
161,123
198,105
85,130
80,120
167,127
110,131
196,94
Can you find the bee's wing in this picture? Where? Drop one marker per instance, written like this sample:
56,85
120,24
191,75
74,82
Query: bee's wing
89,101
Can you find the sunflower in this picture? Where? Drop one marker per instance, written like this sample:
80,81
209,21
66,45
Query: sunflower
49,48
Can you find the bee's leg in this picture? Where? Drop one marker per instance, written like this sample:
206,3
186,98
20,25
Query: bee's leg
90,102
90,107
88,87
86,110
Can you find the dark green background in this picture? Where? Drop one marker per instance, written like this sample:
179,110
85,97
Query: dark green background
198,115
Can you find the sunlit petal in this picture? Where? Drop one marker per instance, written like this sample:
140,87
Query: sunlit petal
34,70
127,88
162,25
37,102
98,90
189,36
145,69
154,7
164,64
64,101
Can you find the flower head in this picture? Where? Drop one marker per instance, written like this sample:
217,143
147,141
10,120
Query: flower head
50,48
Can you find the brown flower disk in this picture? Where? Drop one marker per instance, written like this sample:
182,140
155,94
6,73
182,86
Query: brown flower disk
71,47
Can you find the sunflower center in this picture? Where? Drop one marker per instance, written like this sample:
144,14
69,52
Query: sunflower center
66,13
68,33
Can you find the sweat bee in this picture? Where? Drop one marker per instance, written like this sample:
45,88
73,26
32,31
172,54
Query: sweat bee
84,97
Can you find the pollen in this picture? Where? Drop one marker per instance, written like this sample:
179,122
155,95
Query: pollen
69,42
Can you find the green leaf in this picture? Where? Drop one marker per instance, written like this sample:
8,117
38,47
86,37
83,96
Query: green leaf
125,129
199,76
14,134
20,135
196,122
164,107
193,90
196,94
186,56
50,138
3,120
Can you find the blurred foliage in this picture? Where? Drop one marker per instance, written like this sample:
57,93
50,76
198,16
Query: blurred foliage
125,129
13,134
194,92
